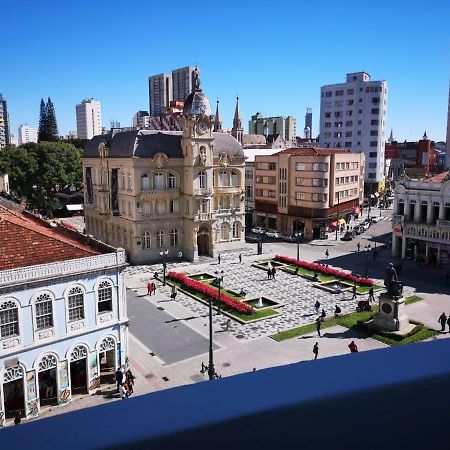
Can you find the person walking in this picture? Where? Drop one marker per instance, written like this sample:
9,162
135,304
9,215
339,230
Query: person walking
218,258
354,291
149,288
130,381
274,271
174,293
353,347
18,418
316,350
318,325
180,256
443,321
358,246
327,253
371,296
154,288
448,322
240,257
337,311
317,306
269,273
323,314
119,378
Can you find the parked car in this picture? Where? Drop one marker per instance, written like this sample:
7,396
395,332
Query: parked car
288,238
375,219
358,229
365,225
348,236
273,234
259,230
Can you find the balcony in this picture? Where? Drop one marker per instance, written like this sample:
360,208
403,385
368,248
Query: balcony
203,192
443,223
149,194
228,189
203,217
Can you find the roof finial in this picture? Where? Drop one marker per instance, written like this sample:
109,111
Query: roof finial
217,119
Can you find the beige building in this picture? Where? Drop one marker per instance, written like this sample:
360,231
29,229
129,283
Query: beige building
286,127
307,190
151,191
421,220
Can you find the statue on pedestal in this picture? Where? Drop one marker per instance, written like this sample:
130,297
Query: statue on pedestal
394,287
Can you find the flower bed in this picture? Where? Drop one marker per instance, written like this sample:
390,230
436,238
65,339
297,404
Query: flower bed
325,270
210,292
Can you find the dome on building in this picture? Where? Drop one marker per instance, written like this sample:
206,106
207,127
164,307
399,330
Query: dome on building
196,102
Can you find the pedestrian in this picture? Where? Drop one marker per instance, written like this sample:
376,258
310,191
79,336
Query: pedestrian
124,391
358,246
354,291
18,418
443,321
317,306
240,257
155,275
154,288
227,325
374,253
315,277
180,256
269,273
149,288
274,271
49,388
327,253
337,311
323,315
353,347
448,322
318,325
316,350
119,378
371,296
174,293
218,258
130,381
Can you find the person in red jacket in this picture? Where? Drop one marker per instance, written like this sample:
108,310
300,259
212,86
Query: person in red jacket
149,288
353,347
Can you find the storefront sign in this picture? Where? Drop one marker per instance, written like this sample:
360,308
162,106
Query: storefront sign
31,386
63,375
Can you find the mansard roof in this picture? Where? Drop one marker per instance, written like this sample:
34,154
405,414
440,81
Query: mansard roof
147,143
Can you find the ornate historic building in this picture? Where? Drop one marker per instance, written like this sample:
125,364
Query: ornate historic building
63,317
151,191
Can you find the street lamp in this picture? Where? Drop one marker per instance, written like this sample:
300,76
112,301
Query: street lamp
163,254
298,235
367,248
219,279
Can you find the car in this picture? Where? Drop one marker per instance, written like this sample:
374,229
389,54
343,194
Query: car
375,219
273,234
348,236
258,230
358,230
365,225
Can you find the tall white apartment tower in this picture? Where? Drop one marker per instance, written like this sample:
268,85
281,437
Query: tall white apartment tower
89,119
182,83
159,93
353,116
27,134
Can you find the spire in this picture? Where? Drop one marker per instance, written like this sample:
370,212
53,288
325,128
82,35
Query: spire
391,136
237,131
218,119
425,137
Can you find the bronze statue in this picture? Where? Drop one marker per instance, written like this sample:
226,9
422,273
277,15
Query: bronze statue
394,287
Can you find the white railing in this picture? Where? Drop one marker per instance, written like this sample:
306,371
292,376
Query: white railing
443,223
203,216
67,267
203,192
160,192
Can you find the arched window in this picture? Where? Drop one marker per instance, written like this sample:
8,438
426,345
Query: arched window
75,302
202,179
172,181
146,241
161,207
234,178
174,237
44,312
223,178
9,319
160,238
225,231
145,183
158,180
104,297
236,230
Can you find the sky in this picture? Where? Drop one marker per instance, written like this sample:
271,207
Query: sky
274,54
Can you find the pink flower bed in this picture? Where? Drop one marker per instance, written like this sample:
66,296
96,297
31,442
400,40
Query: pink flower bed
325,270
210,292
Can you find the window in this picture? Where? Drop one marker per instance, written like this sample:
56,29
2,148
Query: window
375,111
327,124
374,122
374,133
300,166
350,91
349,113
338,124
202,179
123,181
375,100
236,230
372,154
146,240
104,297
130,181
174,237
225,232
145,183
160,238
9,319
327,115
235,178
76,304
223,178
348,134
259,179
372,175
338,135
299,181
339,93
158,181
349,102
300,196
348,144
373,143
172,181
44,312
319,182
338,114
328,94
320,167
173,206
319,197
372,165
272,166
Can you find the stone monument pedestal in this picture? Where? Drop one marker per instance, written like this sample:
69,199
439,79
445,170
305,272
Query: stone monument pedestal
391,316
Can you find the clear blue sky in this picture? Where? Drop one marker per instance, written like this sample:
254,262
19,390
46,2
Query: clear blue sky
274,54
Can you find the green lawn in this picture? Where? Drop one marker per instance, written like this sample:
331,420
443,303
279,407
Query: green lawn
413,299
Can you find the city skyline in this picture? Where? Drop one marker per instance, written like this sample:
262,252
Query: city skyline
306,55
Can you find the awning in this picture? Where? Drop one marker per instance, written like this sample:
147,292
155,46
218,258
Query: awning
333,224
342,221
357,210
74,207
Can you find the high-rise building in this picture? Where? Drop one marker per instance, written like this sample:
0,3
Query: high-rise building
27,134
160,93
141,120
4,123
447,144
353,116
272,126
308,123
89,119
182,83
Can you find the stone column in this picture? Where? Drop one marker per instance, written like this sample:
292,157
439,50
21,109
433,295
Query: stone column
395,209
430,212
404,245
441,211
417,215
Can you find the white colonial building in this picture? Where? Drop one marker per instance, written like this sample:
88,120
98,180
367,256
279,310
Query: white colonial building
421,220
182,191
63,317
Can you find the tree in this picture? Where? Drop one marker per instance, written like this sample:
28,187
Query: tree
48,126
43,131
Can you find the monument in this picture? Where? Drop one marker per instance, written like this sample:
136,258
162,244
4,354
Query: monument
391,316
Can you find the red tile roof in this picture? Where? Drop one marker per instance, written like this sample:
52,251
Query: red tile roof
439,178
24,242
312,151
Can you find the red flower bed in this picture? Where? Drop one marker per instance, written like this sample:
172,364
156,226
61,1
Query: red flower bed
325,270
210,292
